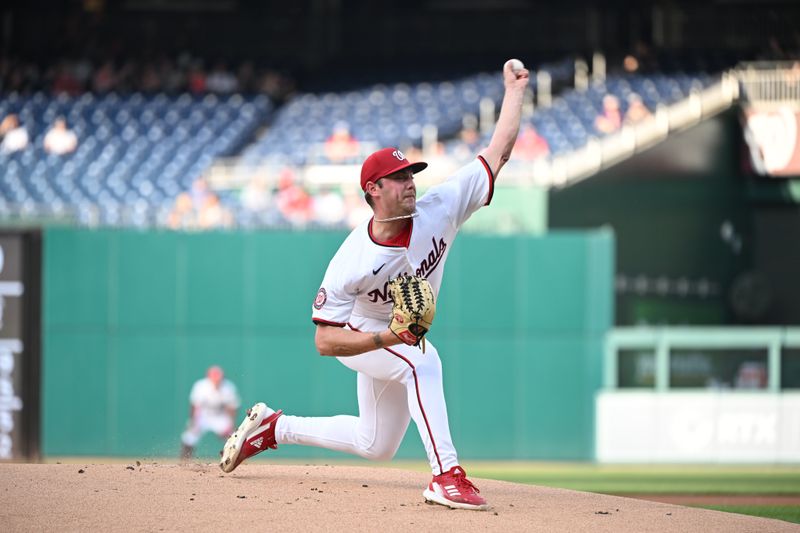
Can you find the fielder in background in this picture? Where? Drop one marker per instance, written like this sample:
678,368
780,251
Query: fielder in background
213,405
399,378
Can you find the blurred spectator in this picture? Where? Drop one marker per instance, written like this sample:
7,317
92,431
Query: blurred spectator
641,60
774,50
126,79
530,145
15,136
292,200
413,153
64,80
356,207
59,139
434,150
751,375
341,147
328,207
171,75
183,214
630,64
276,86
104,79
199,191
256,195
82,72
246,77
196,78
213,214
469,140
610,119
637,111
221,80
793,76
149,79
173,78
18,76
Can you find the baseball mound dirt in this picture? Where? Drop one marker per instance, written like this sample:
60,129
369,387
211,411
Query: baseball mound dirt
266,497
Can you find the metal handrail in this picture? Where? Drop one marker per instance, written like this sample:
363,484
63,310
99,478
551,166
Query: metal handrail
767,84
663,339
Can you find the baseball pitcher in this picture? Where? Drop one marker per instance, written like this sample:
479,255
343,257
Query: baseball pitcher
376,305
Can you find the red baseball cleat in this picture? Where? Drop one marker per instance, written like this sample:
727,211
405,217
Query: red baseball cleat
255,434
453,489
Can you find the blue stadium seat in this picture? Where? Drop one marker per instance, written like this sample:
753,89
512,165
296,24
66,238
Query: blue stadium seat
142,150
126,143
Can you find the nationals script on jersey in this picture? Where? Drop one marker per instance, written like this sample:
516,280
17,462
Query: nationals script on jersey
355,288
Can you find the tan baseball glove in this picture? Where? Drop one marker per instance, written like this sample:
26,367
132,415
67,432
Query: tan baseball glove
413,310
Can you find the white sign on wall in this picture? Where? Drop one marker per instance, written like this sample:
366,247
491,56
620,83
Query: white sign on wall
709,427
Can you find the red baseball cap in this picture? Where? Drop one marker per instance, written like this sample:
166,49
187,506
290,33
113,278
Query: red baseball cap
384,162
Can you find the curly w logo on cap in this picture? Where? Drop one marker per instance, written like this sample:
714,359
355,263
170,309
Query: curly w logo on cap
384,162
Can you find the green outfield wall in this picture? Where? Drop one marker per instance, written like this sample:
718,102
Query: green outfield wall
131,319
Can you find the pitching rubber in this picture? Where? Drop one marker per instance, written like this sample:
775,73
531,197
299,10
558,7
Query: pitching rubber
233,446
434,497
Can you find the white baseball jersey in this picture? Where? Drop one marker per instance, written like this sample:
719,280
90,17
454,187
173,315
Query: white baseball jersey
211,401
211,404
354,290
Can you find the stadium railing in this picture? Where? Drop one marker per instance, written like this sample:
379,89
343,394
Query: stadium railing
601,153
663,341
766,83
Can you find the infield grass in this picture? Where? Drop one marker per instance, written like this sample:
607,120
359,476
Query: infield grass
789,513
653,479
641,480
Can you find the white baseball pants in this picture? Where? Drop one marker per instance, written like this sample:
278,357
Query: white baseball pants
220,424
394,385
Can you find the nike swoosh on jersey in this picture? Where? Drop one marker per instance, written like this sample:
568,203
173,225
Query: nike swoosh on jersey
375,271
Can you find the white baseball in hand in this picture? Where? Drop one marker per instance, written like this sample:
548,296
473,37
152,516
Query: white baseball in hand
515,64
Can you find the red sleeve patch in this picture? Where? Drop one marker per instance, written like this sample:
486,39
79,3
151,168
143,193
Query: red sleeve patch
322,297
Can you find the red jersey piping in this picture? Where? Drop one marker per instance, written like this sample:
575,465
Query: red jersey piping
327,322
491,179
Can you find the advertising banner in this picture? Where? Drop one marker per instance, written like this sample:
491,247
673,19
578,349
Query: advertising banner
19,357
773,141
698,427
